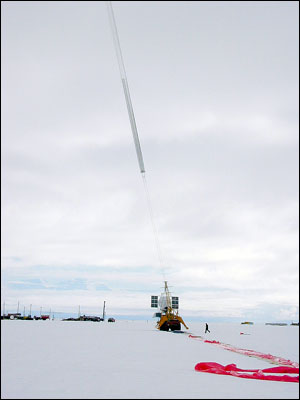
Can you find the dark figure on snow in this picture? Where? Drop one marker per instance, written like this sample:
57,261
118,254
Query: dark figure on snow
206,328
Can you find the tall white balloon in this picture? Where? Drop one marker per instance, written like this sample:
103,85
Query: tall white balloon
125,86
133,127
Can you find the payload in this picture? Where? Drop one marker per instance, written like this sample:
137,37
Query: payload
169,320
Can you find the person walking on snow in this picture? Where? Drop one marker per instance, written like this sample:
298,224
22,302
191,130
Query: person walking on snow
206,328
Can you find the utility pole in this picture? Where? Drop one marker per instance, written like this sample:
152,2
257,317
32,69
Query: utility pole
103,311
3,308
78,312
24,312
30,310
41,311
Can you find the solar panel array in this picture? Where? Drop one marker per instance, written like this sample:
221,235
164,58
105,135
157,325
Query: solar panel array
154,301
175,302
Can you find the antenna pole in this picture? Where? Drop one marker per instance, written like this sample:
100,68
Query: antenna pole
103,316
169,304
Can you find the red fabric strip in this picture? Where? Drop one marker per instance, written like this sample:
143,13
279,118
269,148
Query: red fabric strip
231,369
250,353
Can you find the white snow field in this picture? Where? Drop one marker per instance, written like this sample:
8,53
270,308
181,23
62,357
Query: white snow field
133,360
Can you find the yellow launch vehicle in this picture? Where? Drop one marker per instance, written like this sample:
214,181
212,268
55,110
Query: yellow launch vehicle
169,318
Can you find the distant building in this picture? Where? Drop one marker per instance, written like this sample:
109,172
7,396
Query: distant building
13,316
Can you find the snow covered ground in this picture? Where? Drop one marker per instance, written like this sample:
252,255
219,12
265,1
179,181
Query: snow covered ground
132,359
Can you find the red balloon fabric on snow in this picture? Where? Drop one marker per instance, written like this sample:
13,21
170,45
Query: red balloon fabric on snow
262,374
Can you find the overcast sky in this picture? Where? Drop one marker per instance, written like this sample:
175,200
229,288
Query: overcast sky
214,87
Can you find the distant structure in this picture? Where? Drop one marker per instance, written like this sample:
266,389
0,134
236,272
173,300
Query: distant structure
85,318
17,315
13,316
42,317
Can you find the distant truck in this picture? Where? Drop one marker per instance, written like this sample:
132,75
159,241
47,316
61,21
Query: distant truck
43,317
13,316
90,318
85,318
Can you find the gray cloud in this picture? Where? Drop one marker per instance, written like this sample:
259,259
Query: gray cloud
214,87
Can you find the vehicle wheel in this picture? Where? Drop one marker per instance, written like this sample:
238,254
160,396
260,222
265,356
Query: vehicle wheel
164,327
175,326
